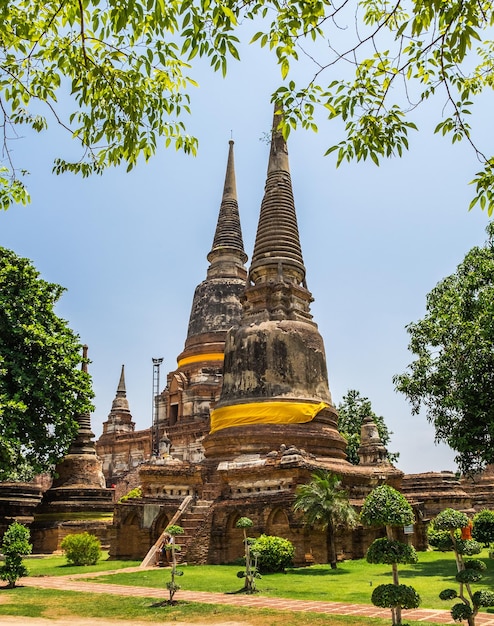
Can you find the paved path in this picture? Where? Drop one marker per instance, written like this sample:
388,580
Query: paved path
75,583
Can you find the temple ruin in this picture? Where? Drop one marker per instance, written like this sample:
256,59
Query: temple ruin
245,417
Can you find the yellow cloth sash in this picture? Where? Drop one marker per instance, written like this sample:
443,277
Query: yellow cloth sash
264,413
216,356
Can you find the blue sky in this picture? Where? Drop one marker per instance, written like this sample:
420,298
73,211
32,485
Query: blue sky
131,248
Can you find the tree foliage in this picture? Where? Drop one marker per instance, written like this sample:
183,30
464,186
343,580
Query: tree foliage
324,502
124,69
351,412
483,527
42,386
173,531
394,596
251,571
453,373
384,506
15,545
467,571
81,549
274,554
389,551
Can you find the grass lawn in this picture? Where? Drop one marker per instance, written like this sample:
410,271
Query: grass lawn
352,581
58,566
51,604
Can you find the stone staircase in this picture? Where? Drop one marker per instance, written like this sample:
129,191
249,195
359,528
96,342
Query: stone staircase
195,540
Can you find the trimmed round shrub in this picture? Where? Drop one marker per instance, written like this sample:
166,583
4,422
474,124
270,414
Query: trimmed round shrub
483,527
244,522
274,554
468,547
468,576
461,612
385,506
440,539
450,519
475,564
392,596
483,597
448,594
390,551
81,549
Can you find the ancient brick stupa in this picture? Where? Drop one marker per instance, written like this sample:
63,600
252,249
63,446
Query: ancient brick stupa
273,422
78,499
275,385
121,448
184,405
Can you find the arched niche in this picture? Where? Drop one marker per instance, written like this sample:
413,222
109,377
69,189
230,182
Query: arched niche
233,546
161,522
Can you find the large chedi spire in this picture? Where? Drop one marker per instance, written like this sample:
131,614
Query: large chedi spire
275,387
216,307
228,235
277,247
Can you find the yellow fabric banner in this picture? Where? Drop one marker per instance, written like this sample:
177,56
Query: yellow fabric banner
216,356
264,413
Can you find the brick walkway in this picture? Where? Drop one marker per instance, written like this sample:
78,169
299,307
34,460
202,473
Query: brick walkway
75,583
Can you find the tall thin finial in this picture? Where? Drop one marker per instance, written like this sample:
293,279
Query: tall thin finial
277,238
228,235
121,383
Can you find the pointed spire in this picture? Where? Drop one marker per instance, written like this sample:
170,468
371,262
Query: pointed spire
83,443
277,247
120,403
216,305
120,417
228,235
121,383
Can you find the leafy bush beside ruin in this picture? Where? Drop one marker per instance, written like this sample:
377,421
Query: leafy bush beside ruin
81,549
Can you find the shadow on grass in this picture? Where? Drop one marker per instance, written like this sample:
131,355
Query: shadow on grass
339,571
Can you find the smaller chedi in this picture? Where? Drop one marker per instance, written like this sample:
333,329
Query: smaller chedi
78,500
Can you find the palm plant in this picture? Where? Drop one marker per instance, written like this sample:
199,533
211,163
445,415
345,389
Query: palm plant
324,502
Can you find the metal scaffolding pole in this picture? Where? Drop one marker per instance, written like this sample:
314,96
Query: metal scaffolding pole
156,391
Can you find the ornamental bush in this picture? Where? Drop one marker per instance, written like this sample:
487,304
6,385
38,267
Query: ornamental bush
483,597
483,527
468,571
81,549
391,596
15,545
468,576
449,519
390,551
440,539
468,547
274,554
385,506
448,594
460,612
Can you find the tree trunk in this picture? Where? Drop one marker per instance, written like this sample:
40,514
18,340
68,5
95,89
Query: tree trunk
331,546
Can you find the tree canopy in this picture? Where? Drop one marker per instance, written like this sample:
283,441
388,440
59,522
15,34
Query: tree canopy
125,69
453,373
42,387
351,412
323,501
